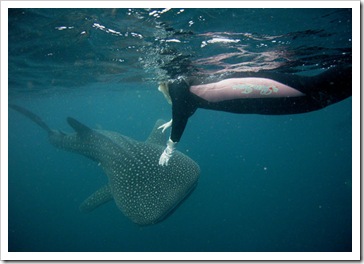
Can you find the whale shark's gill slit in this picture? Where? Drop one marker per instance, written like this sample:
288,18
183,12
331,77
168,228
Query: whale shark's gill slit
144,191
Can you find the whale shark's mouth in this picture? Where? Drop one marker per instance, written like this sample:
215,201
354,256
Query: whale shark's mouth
175,207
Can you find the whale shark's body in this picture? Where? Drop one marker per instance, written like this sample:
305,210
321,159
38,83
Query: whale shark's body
144,191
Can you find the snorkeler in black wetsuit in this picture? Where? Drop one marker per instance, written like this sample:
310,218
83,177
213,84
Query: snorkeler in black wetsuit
252,93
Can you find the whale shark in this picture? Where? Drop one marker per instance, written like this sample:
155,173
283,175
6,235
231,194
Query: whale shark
144,192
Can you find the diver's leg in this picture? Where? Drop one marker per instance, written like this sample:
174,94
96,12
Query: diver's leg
331,86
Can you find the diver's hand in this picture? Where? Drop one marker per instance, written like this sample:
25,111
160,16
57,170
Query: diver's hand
164,158
166,125
167,153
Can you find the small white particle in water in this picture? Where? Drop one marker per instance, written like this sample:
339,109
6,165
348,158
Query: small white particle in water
173,40
165,10
61,28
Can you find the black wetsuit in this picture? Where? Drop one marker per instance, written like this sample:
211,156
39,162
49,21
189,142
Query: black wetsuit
319,91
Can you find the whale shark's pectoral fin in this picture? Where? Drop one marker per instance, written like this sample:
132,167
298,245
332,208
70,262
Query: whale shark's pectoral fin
156,136
98,198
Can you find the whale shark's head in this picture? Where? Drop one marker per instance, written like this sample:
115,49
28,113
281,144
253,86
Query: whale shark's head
144,191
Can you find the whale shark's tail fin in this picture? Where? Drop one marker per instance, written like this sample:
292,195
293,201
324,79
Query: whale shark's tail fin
36,119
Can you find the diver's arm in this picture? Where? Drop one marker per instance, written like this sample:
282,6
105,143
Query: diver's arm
178,126
180,118
183,106
167,153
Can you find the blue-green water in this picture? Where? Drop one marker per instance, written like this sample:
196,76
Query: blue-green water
268,183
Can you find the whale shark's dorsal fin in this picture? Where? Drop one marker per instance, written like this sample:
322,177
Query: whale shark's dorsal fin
156,136
78,126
